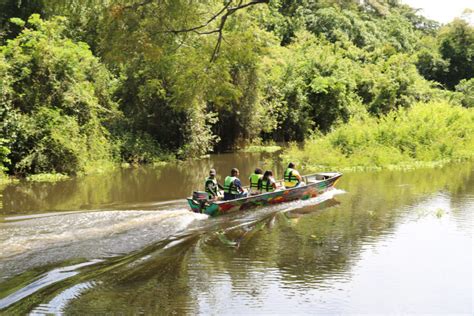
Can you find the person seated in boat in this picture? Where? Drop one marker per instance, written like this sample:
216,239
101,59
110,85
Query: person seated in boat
268,183
212,186
254,179
292,177
233,187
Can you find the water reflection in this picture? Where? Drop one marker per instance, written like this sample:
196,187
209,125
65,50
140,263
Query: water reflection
128,186
386,242
57,304
306,264
51,277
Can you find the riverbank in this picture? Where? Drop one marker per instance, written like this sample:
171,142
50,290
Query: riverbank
108,166
96,170
426,135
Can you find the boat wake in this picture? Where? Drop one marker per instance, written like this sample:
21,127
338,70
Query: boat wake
44,240
57,305
51,277
112,238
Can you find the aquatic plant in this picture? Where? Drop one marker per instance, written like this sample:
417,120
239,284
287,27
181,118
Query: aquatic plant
428,134
261,149
47,177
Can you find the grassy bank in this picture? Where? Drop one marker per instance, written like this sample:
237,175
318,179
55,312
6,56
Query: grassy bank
427,134
91,169
261,149
257,146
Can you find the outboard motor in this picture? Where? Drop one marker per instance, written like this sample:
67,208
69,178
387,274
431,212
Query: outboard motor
201,198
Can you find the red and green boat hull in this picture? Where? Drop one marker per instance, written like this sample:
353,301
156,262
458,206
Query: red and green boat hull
322,182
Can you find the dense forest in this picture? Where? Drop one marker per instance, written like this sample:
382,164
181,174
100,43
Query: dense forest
84,84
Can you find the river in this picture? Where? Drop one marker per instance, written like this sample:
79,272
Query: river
124,242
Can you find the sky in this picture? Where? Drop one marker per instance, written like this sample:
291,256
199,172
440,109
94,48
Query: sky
441,10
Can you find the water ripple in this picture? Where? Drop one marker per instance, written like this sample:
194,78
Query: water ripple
57,305
45,280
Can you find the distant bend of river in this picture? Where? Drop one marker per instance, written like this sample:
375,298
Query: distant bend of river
124,242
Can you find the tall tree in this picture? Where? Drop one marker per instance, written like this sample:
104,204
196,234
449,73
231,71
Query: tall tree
457,47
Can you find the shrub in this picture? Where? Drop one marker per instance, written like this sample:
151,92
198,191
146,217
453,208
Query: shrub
422,135
466,88
57,97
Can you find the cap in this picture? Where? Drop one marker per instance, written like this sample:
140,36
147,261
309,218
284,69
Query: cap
212,172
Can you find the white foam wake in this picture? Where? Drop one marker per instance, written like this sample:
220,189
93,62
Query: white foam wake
40,233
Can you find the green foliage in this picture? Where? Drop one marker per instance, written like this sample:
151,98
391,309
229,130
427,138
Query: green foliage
313,84
47,177
173,92
57,97
262,149
421,135
49,142
143,89
19,11
466,88
5,90
258,146
367,25
396,84
430,62
136,148
457,47
310,85
4,151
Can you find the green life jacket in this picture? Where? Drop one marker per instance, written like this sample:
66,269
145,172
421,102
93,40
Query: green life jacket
266,186
229,186
212,183
254,179
290,179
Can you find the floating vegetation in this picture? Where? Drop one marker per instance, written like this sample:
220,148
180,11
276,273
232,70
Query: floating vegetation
261,149
422,212
47,177
440,213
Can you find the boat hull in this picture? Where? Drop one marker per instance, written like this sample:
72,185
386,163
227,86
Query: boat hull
321,183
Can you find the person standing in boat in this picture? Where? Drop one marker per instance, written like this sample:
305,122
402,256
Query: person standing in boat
233,187
212,186
292,177
268,183
254,179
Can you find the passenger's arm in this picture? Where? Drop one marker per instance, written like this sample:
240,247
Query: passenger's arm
238,185
211,188
274,185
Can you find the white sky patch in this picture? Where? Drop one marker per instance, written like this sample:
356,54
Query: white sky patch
442,11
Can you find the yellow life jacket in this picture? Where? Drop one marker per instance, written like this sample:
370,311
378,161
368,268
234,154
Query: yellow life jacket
290,178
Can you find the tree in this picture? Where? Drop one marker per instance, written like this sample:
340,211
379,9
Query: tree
457,47
17,9
58,95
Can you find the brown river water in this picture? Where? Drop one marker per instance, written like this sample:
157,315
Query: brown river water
124,242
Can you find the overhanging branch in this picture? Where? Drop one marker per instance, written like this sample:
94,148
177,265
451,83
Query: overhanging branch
227,10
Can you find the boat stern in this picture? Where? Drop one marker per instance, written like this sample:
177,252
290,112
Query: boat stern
195,207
